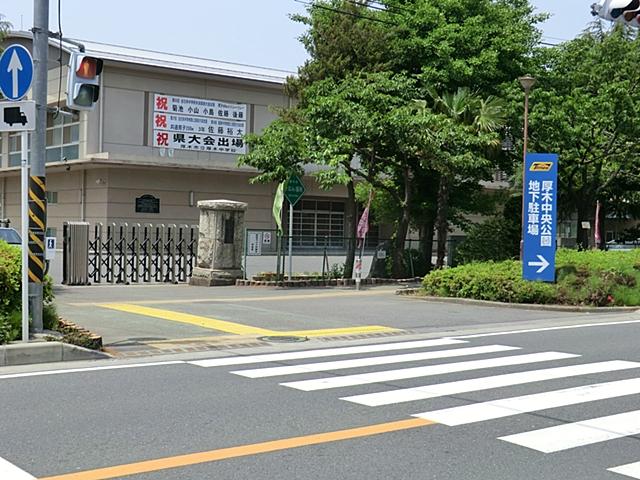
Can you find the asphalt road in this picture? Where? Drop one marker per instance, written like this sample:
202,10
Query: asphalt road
200,420
134,317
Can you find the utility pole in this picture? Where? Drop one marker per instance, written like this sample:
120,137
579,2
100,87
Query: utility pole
37,181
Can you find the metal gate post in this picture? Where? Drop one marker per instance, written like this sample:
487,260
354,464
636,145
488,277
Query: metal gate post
97,276
111,229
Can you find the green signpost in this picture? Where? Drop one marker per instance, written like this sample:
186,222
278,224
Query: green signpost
293,192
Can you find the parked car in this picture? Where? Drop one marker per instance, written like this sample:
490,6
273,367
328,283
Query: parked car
10,235
618,245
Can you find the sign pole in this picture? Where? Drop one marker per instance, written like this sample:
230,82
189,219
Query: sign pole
37,181
24,174
293,191
359,267
290,242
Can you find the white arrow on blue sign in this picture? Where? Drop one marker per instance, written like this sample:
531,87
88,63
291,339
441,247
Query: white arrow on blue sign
16,72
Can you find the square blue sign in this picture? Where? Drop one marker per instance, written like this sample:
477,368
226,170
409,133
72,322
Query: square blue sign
540,217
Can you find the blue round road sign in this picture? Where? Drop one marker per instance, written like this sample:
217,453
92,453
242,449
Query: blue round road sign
16,72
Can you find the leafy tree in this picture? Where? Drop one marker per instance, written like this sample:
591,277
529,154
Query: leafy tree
365,126
463,132
585,108
277,153
355,96
5,26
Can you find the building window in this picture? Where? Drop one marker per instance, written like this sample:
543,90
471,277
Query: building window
317,223
63,136
52,198
15,149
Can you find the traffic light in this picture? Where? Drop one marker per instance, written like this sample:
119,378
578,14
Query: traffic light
83,82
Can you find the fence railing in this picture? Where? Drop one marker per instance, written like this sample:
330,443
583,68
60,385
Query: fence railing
266,252
124,253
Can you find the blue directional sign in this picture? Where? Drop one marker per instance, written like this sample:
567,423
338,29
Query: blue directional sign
540,217
16,72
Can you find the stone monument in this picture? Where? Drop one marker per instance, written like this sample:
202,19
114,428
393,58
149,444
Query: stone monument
220,243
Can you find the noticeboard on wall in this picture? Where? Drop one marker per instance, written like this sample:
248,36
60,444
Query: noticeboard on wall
195,124
147,204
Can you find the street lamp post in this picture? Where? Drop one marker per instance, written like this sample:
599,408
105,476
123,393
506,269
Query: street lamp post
527,83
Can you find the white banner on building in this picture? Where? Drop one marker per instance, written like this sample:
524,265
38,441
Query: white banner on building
184,123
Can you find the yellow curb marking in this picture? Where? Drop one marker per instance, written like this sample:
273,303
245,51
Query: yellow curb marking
205,322
241,451
237,328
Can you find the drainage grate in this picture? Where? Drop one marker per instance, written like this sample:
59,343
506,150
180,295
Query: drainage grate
283,339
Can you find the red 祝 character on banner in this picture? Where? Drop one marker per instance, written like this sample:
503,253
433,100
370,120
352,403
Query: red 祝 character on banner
162,139
161,121
162,103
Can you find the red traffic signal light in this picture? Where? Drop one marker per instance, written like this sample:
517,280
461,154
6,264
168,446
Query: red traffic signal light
89,67
83,82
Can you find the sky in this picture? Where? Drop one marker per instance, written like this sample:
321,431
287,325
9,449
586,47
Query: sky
250,32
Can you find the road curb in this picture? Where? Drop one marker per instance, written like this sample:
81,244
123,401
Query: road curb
45,352
312,283
414,293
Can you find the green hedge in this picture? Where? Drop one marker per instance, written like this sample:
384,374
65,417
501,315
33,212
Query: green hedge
496,239
593,278
10,293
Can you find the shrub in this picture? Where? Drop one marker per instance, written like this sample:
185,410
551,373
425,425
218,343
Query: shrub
593,278
50,319
10,277
496,239
499,282
10,327
414,264
10,294
336,271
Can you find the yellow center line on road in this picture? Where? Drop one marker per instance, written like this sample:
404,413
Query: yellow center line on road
275,298
241,451
238,328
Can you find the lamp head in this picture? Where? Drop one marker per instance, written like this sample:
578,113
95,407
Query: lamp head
527,82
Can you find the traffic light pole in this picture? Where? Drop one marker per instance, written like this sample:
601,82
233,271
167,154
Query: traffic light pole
37,182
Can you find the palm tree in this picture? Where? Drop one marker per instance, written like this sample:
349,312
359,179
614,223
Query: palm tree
5,26
472,115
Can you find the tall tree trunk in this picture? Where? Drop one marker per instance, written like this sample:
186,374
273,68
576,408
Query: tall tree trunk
398,268
442,220
427,233
350,229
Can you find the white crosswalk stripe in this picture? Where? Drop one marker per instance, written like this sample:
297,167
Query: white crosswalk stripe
401,374
546,440
371,361
572,435
480,412
631,470
326,352
485,383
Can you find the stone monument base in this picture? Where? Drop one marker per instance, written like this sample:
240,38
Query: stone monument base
205,277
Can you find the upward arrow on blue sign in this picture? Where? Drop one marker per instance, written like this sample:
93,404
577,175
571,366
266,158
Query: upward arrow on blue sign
16,72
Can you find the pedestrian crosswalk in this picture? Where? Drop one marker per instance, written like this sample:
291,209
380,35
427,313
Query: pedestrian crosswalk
485,383
457,357
415,372
631,470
